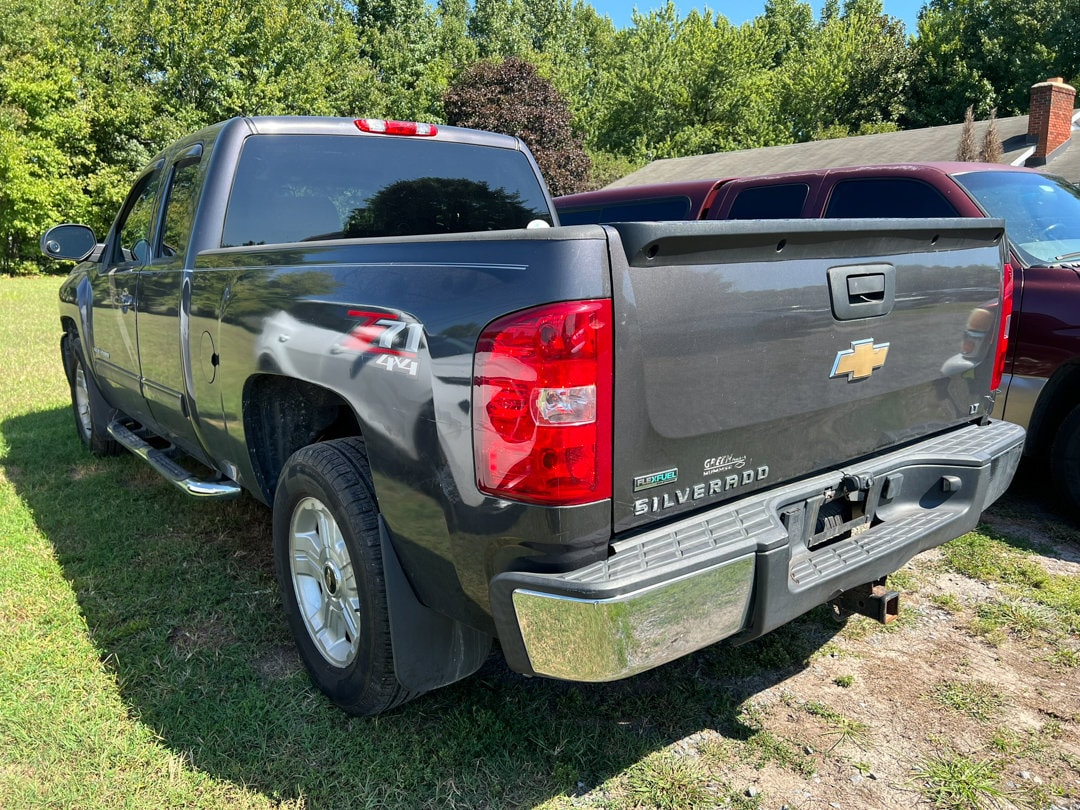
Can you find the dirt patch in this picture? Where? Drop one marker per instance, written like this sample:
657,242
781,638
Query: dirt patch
207,636
279,663
864,723
869,739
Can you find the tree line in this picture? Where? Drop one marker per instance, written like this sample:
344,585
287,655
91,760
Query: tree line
91,90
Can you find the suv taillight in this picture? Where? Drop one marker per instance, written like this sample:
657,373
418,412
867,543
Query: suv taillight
542,404
1003,330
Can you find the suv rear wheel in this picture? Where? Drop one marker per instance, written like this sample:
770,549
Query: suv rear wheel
1065,460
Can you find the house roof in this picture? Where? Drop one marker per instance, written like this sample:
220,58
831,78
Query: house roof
929,144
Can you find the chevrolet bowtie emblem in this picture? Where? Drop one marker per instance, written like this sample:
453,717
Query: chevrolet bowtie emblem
860,360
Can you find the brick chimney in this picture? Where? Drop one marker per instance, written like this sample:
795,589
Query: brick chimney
1050,118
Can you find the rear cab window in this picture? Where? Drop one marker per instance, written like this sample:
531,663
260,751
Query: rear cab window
287,189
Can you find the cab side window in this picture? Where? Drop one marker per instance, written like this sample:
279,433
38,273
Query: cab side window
133,242
179,209
886,197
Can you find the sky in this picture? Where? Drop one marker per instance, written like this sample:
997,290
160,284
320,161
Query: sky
738,11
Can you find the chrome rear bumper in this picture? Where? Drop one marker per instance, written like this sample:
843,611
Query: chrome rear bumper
746,567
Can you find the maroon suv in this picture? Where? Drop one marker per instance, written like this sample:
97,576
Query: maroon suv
1041,388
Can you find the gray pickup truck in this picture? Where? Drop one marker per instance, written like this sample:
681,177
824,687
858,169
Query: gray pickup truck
604,446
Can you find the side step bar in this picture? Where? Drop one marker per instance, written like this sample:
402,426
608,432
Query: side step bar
163,461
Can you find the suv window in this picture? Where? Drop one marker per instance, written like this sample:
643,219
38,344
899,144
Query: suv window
133,242
658,210
289,189
770,202
886,197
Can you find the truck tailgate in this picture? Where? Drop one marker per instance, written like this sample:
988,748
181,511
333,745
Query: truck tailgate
752,353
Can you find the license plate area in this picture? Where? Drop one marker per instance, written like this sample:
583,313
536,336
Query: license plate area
836,514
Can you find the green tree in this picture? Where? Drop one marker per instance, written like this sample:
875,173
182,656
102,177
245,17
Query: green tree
733,98
46,150
699,84
455,47
879,77
40,158
498,27
208,60
852,75
788,27
989,51
90,91
414,51
644,97
574,47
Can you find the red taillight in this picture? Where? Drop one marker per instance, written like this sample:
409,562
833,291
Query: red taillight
379,126
1003,331
542,404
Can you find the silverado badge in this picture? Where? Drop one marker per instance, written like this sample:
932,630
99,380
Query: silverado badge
860,360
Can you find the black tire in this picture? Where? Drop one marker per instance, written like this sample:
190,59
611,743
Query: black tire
92,413
329,565
1065,461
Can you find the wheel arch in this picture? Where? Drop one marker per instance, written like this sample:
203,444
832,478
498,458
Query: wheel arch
283,414
1058,397
70,333
76,303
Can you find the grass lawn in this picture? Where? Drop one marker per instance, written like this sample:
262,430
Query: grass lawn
145,662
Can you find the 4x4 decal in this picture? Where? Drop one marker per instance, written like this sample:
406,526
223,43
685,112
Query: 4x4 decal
386,334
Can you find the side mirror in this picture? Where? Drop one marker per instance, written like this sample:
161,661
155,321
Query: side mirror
74,242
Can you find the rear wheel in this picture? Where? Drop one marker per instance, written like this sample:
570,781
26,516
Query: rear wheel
1065,460
92,413
329,566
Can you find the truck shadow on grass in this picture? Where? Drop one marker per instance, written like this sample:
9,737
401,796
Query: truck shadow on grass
181,602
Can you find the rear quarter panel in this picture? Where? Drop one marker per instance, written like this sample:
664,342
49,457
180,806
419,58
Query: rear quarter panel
306,311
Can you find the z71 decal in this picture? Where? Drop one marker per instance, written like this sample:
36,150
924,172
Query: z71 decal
384,333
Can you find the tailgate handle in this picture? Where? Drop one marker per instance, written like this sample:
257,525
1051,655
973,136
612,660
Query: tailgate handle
866,288
862,291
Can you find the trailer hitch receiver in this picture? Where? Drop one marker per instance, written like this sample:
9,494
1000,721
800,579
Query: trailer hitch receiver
871,599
